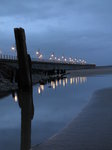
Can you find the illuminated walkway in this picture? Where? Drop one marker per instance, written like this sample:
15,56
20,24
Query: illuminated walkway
91,130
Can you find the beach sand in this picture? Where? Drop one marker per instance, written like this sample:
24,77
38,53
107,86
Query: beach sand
91,130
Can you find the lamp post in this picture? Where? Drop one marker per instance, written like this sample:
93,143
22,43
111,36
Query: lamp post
65,60
52,57
39,55
13,48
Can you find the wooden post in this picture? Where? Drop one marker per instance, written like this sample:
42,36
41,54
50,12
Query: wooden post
24,73
25,100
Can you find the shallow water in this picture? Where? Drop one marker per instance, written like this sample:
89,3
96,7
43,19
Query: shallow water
55,105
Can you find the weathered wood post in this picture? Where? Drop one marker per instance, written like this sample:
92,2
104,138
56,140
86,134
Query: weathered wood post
25,88
25,100
24,73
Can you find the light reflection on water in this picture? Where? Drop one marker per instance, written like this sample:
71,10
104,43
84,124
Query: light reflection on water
54,109
56,83
63,82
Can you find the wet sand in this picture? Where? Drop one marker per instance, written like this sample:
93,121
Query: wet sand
91,130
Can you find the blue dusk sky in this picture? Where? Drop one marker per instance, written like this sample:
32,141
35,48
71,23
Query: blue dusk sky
77,28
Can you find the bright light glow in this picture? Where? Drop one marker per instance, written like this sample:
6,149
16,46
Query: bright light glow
64,83
15,98
66,80
40,56
71,80
13,48
37,52
42,87
59,81
39,90
53,84
77,61
56,83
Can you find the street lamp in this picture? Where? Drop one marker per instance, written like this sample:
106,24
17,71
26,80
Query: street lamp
62,57
65,60
77,61
37,52
39,55
59,59
52,56
80,61
13,48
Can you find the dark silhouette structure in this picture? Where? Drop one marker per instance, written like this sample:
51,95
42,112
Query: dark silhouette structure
25,101
24,79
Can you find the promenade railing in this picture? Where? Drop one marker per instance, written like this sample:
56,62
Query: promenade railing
12,57
7,57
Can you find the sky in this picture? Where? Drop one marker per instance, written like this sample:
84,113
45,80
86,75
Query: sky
73,28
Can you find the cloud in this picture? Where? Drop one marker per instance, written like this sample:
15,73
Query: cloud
59,25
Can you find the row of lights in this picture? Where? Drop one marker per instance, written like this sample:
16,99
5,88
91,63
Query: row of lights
61,59
56,83
54,58
39,55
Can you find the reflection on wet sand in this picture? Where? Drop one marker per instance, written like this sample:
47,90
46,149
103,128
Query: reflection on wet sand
63,82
